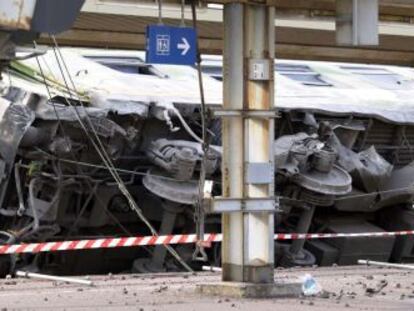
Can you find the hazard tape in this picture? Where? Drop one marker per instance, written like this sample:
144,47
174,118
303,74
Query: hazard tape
171,240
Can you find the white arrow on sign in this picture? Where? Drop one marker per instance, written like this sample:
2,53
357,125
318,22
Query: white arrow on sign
184,46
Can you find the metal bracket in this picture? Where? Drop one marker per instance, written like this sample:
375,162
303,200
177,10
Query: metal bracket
259,114
248,205
260,69
259,173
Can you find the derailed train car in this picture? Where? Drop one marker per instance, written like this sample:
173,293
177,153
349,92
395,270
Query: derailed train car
97,144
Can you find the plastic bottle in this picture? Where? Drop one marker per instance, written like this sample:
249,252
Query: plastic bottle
309,286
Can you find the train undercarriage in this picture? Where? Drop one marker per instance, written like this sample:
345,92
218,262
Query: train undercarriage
75,167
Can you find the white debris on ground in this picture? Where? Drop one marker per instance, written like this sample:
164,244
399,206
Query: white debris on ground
342,288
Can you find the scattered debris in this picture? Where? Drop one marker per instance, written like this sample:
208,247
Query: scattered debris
53,278
385,264
161,289
211,269
379,287
324,294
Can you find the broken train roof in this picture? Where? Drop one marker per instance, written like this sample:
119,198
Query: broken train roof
383,92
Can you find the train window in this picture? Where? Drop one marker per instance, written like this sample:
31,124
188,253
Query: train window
301,73
214,72
129,65
382,77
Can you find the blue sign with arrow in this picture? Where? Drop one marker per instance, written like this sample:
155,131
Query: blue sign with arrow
171,45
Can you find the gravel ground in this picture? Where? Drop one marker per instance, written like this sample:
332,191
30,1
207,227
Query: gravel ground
345,288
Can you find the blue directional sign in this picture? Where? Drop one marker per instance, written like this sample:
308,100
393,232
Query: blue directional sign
171,45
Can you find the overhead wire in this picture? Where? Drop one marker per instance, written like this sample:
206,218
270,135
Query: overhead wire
50,95
100,149
182,23
159,12
60,124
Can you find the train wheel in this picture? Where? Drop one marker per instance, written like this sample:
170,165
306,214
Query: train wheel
304,258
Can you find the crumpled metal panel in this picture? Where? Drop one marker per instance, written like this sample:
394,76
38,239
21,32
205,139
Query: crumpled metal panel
367,168
68,113
121,105
13,124
103,85
100,110
16,120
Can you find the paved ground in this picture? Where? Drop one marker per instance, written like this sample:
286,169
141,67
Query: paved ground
348,288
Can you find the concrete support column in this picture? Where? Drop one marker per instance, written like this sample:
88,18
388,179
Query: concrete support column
233,140
248,251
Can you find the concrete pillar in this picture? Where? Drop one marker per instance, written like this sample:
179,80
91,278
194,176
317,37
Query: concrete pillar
233,140
247,253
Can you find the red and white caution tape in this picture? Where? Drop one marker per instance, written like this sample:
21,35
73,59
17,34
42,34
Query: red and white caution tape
170,239
313,236
105,243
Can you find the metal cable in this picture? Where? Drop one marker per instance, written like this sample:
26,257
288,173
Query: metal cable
50,97
65,137
200,214
103,154
120,170
182,24
159,12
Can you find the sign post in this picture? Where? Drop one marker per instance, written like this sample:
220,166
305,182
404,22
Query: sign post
171,45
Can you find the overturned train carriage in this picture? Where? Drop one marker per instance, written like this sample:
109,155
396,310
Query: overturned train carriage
96,144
